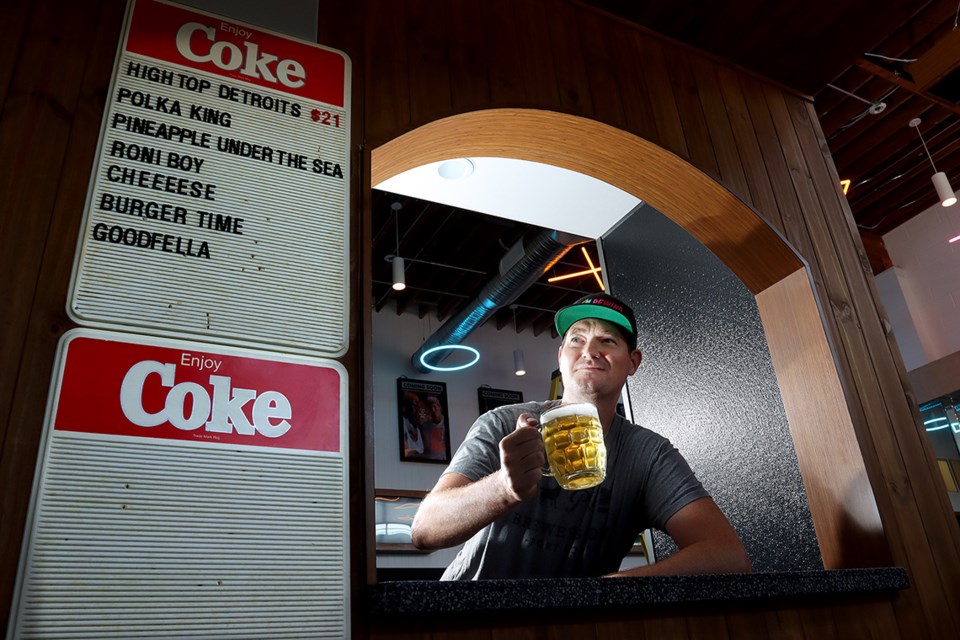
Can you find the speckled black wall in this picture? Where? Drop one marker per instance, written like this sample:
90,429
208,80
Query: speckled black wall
707,383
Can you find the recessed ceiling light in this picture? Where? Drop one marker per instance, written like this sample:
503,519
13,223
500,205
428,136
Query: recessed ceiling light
456,169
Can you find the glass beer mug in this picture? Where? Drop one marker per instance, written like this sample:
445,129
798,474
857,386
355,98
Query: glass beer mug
573,438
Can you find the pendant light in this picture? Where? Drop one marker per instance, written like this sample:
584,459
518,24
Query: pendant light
518,366
940,181
399,281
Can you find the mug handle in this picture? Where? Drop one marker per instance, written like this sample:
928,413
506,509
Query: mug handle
550,404
545,470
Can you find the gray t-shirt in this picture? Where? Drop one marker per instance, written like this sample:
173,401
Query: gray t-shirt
563,533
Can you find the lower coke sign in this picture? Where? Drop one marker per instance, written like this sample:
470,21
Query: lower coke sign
183,488
187,391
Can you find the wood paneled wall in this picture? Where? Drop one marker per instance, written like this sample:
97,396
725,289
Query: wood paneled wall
55,65
424,62
420,60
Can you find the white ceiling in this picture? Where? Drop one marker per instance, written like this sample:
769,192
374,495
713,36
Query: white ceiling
530,192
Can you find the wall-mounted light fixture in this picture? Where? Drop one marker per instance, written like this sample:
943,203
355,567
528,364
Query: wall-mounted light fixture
940,181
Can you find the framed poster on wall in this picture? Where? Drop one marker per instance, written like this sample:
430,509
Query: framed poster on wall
424,421
489,398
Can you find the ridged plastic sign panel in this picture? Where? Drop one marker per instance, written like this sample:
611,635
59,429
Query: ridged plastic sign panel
218,203
187,491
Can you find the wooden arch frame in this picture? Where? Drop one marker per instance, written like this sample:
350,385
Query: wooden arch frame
844,511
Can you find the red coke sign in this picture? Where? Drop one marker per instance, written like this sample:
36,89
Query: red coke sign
200,393
235,50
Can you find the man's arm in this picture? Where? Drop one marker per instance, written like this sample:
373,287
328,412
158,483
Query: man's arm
706,544
457,507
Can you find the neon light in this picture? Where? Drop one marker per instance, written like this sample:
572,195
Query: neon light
953,239
846,186
452,347
574,275
595,270
939,426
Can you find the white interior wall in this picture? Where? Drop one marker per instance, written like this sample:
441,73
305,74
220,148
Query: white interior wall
395,339
891,285
928,270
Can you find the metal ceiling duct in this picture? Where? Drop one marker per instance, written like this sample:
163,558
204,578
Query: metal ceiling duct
523,264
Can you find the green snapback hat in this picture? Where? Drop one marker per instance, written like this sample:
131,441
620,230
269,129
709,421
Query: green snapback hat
603,307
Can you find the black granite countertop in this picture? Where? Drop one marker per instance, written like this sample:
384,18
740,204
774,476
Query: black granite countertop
414,597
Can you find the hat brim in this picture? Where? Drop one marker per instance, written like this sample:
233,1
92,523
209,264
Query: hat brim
569,315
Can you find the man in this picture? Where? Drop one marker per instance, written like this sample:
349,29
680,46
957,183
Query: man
518,524
434,430
412,423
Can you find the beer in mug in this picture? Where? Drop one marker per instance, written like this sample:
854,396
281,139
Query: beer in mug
573,437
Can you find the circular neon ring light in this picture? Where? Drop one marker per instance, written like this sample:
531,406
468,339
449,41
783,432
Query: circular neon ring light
452,347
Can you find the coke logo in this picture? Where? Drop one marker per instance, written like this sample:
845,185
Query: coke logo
250,61
219,412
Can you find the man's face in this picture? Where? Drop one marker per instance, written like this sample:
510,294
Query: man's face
436,411
412,409
595,361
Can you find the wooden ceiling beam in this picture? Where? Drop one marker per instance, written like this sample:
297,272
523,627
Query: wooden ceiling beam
888,141
890,207
829,102
910,40
896,217
936,63
938,133
840,139
449,307
900,81
502,319
382,298
527,317
544,324
867,211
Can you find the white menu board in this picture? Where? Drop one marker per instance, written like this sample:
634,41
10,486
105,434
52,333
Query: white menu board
187,490
219,198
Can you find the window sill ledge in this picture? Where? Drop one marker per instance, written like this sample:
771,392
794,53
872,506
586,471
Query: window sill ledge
434,597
